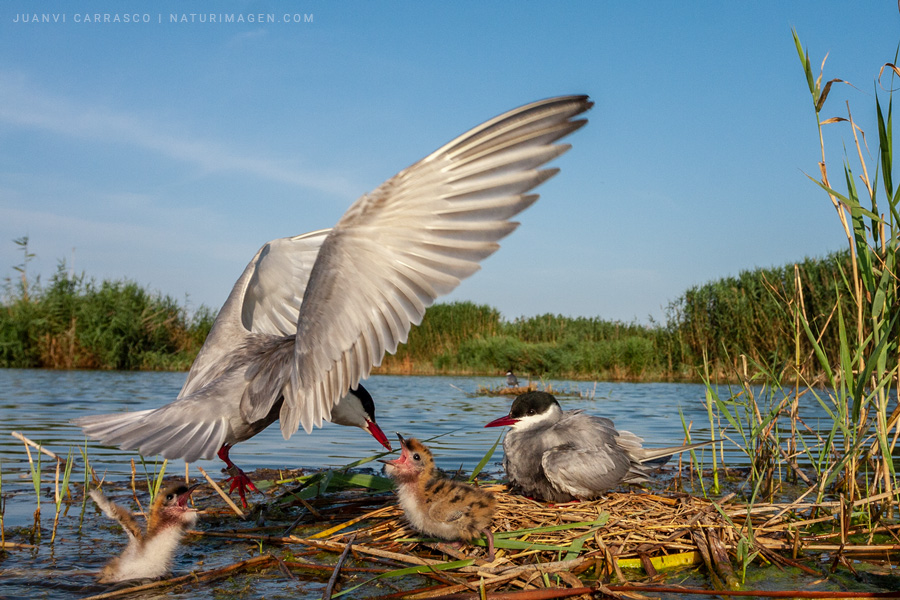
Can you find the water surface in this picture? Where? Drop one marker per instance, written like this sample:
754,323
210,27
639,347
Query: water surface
40,405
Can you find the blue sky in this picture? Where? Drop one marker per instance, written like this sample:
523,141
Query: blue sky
168,153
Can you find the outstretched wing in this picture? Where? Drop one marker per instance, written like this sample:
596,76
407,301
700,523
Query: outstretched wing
191,428
411,240
265,299
120,514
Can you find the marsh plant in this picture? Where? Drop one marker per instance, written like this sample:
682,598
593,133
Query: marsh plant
61,492
77,323
853,340
862,381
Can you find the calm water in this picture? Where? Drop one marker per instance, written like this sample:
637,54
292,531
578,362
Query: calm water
40,405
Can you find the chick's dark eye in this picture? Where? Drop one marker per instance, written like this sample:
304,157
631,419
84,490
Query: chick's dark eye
415,456
531,412
170,496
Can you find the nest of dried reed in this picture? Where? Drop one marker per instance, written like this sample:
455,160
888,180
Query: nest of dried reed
623,537
618,544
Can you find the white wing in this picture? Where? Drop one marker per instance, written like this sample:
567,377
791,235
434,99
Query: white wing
265,299
275,290
411,240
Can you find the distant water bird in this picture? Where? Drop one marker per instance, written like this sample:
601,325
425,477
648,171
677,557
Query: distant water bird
148,554
511,380
446,509
559,456
312,315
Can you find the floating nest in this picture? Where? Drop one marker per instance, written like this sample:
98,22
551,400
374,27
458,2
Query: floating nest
504,390
618,544
522,389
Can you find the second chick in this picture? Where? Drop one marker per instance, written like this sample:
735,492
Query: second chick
149,553
447,509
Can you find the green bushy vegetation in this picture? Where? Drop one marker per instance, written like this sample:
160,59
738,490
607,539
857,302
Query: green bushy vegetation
77,323
751,316
728,321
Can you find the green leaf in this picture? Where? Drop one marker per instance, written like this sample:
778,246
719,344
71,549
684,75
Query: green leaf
485,459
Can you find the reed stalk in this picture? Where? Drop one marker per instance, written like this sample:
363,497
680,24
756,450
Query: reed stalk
863,376
36,480
60,494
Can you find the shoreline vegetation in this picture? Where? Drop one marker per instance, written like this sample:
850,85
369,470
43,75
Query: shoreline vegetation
826,329
74,322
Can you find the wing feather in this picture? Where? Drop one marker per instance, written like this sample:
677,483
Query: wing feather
176,430
265,299
411,240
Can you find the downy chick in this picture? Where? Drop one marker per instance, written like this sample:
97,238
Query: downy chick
446,509
558,456
148,554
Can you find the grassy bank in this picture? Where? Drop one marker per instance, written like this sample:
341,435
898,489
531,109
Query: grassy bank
76,323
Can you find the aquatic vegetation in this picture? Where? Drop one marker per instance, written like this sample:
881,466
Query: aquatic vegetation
78,323
862,378
842,360
624,538
60,492
74,322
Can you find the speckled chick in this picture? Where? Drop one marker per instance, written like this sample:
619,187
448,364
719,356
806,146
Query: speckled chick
446,509
148,554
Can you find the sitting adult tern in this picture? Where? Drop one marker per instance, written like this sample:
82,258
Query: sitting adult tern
558,456
311,315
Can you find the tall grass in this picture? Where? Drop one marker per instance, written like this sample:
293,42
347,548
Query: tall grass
863,377
462,337
750,315
74,322
840,331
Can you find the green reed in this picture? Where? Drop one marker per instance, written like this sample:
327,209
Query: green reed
74,322
154,477
86,483
36,481
60,493
863,375
837,327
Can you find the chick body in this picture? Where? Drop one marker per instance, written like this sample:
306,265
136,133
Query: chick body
148,554
443,508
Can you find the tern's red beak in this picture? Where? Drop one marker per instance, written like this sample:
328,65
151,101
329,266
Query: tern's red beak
376,432
507,420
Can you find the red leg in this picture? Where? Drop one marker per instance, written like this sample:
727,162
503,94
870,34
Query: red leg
238,478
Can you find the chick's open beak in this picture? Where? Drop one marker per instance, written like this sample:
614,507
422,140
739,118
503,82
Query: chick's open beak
186,495
404,454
